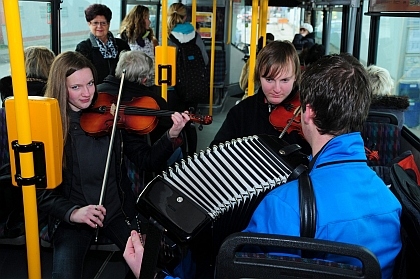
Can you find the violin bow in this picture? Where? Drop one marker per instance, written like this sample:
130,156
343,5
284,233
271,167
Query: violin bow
111,143
290,122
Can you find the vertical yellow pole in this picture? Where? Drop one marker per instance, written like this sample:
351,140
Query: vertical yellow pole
229,34
164,45
193,15
260,19
14,36
263,20
213,45
253,51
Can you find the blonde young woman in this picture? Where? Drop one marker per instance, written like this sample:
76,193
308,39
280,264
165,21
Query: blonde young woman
184,32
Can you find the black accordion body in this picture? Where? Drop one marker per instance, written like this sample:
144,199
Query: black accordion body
219,188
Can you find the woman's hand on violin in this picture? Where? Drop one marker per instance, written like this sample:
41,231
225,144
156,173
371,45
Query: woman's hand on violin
92,215
179,120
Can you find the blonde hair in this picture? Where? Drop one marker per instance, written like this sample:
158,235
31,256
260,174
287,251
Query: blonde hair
38,60
176,14
380,80
134,24
64,65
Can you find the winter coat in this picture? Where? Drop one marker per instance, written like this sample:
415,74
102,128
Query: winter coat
353,204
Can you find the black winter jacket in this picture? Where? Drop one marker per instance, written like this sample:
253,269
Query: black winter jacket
251,117
104,67
56,202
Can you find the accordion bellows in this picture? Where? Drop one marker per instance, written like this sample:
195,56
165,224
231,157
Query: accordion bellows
221,186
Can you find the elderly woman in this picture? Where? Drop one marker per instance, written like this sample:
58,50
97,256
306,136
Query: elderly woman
101,48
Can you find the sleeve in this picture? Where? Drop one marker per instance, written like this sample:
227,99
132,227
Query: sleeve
298,41
200,43
275,216
84,48
53,203
230,127
146,157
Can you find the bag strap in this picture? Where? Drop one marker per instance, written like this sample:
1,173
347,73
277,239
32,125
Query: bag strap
174,40
307,206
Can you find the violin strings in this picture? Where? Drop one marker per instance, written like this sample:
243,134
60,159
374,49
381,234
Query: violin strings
146,111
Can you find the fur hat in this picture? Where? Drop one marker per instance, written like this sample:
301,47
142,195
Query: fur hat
308,27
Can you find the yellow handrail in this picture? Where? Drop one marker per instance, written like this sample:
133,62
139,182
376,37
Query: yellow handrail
17,65
253,50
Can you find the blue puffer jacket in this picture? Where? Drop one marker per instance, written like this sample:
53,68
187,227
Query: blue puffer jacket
353,204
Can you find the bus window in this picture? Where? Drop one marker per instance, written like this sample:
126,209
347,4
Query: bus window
399,53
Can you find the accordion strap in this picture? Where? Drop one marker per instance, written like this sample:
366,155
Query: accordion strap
151,250
307,206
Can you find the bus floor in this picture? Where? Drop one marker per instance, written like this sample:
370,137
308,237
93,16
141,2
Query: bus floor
98,264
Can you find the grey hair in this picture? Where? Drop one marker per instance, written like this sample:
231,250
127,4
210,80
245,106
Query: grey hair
380,80
137,65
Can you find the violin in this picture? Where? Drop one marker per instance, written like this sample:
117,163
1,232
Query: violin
140,115
286,116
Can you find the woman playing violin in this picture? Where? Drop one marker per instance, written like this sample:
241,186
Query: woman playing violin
74,207
277,72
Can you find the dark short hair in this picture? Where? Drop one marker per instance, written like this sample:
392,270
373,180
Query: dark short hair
268,38
337,88
314,53
95,10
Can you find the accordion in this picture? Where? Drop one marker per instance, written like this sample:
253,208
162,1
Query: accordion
219,188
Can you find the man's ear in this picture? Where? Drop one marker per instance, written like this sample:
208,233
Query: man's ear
144,80
309,113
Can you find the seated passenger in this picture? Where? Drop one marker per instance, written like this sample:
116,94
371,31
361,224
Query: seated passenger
277,73
383,99
305,35
353,204
243,79
138,66
75,208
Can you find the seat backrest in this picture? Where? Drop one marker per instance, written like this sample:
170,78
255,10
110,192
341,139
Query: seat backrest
219,62
382,135
407,192
233,264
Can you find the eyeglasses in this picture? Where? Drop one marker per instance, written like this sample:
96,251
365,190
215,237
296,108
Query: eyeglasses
96,23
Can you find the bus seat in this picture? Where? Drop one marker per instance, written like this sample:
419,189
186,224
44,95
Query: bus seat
382,138
219,68
231,263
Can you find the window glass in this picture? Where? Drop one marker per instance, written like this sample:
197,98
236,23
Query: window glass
35,20
282,22
399,53
364,39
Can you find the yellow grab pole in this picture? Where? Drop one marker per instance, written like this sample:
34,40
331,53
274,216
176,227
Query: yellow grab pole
193,16
230,22
14,37
213,45
253,51
164,45
263,20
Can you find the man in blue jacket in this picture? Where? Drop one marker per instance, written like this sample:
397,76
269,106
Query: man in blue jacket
353,204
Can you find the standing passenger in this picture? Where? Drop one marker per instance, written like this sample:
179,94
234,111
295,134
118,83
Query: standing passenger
277,72
101,48
136,31
184,32
73,206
